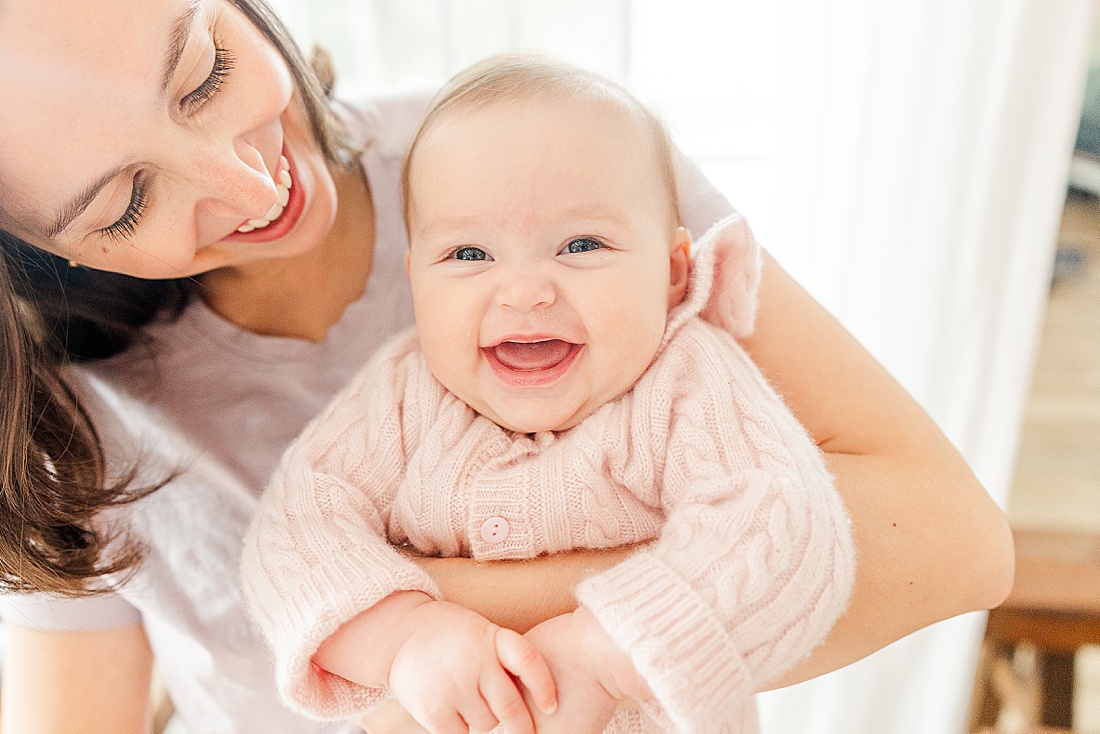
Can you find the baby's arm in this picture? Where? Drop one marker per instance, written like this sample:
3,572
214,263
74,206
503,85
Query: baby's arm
898,474
316,554
755,561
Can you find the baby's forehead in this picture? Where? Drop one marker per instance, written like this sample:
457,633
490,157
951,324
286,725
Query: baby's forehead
581,113
579,136
572,124
585,102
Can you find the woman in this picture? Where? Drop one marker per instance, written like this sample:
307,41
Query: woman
183,217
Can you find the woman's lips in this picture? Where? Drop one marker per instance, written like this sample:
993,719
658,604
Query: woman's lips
292,210
531,363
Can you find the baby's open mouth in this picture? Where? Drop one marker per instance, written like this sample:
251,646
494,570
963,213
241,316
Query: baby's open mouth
532,356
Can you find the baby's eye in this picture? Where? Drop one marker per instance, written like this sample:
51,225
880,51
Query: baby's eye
581,244
470,253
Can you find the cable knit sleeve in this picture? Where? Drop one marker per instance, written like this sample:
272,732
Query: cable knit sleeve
755,562
316,554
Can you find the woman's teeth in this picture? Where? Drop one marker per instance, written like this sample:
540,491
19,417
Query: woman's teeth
283,184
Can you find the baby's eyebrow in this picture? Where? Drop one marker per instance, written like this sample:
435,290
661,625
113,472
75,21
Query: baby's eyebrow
448,224
594,211
597,211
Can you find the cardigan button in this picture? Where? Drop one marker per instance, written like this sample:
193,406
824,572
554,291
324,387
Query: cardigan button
494,529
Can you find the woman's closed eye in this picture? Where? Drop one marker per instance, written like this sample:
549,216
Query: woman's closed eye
219,71
124,227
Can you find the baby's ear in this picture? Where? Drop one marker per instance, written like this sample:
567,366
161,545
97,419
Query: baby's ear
679,266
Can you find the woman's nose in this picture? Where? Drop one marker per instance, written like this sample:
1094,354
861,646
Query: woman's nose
237,182
524,289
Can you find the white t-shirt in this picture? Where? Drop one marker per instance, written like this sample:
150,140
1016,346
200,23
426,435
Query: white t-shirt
216,408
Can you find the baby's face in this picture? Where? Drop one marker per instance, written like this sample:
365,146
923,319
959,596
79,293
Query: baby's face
542,252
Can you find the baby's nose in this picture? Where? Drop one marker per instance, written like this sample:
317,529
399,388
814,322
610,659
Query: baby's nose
525,290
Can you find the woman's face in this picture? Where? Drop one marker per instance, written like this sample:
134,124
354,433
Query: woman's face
141,136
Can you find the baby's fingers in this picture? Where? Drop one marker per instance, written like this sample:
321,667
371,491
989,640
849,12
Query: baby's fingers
523,660
506,702
479,715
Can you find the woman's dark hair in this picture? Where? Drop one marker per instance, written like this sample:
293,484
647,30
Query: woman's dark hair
53,478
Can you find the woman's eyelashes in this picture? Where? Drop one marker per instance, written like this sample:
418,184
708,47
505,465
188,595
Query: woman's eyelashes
219,71
124,228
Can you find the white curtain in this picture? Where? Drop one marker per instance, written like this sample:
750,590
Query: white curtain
905,159
930,177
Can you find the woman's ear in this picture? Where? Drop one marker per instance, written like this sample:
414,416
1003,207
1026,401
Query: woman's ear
679,266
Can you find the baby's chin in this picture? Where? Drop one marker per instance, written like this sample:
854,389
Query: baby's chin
547,413
530,426
531,422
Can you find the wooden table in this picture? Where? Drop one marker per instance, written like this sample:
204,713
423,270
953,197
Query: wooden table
1055,604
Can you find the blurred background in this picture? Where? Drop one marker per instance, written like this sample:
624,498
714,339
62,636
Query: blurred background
907,161
925,169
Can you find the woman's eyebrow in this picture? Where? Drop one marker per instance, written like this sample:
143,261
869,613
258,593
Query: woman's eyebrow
177,41
76,206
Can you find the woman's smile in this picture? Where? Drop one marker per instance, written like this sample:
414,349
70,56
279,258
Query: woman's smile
283,183
284,213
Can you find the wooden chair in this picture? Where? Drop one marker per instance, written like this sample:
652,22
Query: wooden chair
1055,606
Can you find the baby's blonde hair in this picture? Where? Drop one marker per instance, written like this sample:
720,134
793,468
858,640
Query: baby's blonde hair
522,77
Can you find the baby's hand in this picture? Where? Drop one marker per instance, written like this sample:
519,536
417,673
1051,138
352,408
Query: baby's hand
389,717
453,672
593,675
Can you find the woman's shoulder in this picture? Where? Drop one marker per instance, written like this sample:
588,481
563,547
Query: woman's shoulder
131,430
386,122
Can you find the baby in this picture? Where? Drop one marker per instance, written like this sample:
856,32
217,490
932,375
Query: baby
561,390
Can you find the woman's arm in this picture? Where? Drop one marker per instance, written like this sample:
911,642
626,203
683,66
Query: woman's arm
931,543
91,682
519,594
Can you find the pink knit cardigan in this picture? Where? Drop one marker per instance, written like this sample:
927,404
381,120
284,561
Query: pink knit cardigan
752,559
